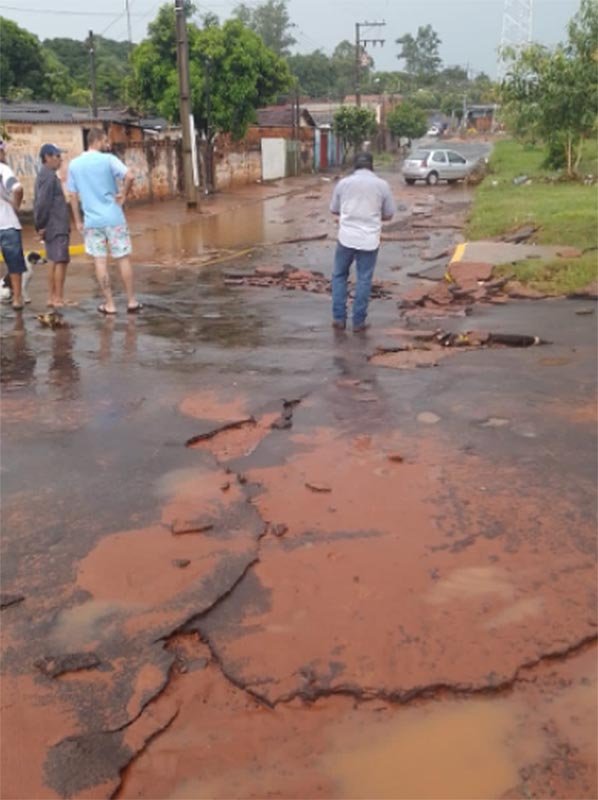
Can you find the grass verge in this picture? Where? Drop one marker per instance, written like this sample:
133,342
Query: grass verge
565,212
559,276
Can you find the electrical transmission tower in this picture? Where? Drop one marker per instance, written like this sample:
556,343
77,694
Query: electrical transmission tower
516,29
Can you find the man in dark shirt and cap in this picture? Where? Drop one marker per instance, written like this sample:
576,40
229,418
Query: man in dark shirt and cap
52,220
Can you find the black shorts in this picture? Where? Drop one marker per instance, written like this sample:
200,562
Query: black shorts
57,249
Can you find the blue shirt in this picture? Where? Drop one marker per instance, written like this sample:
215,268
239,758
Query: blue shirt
362,200
93,176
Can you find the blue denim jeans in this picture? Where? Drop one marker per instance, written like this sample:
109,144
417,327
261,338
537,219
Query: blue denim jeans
365,261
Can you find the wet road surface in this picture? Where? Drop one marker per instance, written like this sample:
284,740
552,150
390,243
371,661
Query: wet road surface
243,557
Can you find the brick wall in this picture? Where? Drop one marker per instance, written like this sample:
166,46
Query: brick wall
24,143
155,164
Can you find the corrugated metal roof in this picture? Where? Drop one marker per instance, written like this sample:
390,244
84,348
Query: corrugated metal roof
281,117
61,113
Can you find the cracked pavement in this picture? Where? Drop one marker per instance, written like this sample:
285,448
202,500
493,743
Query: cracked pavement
258,561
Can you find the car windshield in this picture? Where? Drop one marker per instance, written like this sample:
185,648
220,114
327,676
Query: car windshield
420,155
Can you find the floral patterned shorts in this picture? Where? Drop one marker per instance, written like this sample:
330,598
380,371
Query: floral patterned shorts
97,241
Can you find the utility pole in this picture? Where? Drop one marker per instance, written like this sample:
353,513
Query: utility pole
296,127
92,75
359,43
129,32
182,51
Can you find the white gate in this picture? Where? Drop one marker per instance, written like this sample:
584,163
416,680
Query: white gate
273,159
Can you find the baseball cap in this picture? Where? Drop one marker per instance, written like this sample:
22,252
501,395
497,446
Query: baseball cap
49,150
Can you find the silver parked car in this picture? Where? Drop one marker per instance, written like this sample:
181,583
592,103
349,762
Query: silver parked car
436,165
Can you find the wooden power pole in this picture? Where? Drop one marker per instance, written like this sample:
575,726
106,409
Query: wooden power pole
182,50
92,75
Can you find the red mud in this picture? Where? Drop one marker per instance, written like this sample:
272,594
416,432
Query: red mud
412,614
531,742
214,406
33,720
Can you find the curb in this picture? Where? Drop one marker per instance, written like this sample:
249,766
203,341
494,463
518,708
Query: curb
459,253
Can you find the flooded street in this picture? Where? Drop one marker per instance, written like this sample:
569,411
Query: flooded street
246,557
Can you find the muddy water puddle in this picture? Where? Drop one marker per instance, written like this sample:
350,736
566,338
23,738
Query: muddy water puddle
467,748
459,750
207,237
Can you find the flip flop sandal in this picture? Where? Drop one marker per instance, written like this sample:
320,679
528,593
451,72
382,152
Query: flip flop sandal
103,310
134,309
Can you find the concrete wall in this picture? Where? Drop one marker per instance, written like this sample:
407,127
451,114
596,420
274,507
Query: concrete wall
236,163
24,143
156,167
155,160
155,163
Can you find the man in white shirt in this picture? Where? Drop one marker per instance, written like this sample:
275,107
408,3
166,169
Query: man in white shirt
11,243
362,201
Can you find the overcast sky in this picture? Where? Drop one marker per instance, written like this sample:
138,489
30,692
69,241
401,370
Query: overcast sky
470,30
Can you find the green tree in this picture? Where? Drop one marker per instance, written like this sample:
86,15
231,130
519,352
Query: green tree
343,64
232,73
354,125
271,22
425,99
112,66
407,120
21,62
420,53
314,72
384,83
552,93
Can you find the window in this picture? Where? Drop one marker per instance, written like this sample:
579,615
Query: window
439,157
455,158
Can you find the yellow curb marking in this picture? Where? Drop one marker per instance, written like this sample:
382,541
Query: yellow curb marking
457,256
459,252
74,250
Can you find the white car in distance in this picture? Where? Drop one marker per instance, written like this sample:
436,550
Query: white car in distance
436,165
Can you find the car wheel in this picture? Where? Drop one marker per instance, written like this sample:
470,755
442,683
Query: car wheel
432,179
409,181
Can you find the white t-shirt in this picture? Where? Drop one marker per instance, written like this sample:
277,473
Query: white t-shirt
362,200
8,183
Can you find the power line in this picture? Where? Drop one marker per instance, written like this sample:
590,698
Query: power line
62,11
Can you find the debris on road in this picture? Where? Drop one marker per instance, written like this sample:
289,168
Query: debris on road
396,458
285,420
181,563
7,600
202,437
520,234
201,525
465,283
318,487
54,666
52,319
293,279
427,348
